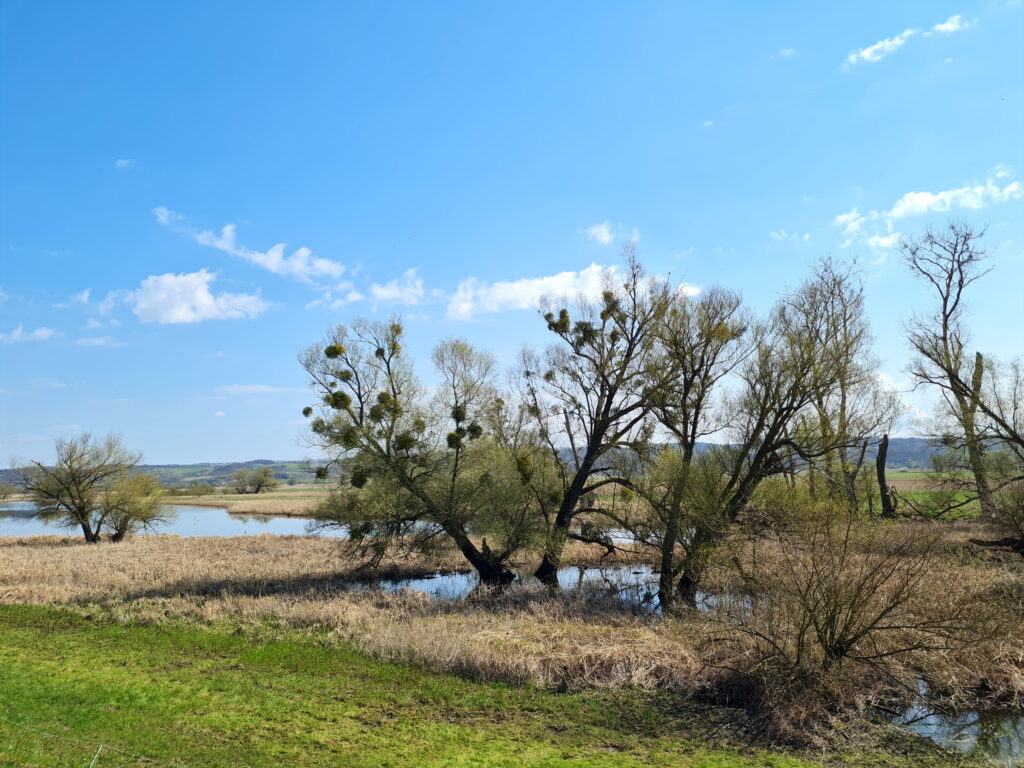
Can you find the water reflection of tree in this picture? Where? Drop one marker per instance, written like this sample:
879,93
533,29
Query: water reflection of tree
999,734
245,519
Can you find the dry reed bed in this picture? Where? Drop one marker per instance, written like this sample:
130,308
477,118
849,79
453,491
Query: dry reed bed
575,641
274,505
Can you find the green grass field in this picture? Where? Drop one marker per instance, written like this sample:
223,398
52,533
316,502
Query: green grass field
197,696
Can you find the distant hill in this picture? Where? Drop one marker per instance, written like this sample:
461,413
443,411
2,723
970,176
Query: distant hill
174,475
904,453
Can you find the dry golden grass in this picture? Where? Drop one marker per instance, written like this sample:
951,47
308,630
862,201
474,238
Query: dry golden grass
577,639
574,641
290,501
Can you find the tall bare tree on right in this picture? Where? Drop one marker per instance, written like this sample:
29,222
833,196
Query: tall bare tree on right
949,260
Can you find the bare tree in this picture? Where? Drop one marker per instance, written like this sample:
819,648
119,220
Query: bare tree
851,415
950,260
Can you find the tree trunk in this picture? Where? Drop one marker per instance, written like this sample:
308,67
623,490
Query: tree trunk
883,486
666,580
547,571
975,448
689,584
87,531
491,569
693,567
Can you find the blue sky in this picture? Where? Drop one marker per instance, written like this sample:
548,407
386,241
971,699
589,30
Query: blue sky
440,160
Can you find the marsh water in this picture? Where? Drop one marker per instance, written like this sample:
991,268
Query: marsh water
997,734
636,586
16,519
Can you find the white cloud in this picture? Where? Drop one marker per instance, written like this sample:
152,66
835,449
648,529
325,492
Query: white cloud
110,301
881,245
218,413
881,49
331,299
784,235
165,215
882,242
951,25
20,334
407,289
98,341
78,299
254,389
124,162
787,52
1004,171
186,298
473,297
301,265
707,123
601,233
971,197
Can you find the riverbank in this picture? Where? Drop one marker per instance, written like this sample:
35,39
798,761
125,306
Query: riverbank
217,697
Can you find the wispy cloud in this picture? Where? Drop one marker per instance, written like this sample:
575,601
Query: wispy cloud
98,341
881,49
165,215
786,53
971,197
76,300
301,265
707,124
950,25
186,298
19,334
124,162
784,235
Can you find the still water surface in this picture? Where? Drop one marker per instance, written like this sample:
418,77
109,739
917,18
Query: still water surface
16,520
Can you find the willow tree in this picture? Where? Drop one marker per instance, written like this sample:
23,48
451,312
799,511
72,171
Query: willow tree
701,342
73,491
591,395
858,410
414,466
133,503
794,363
